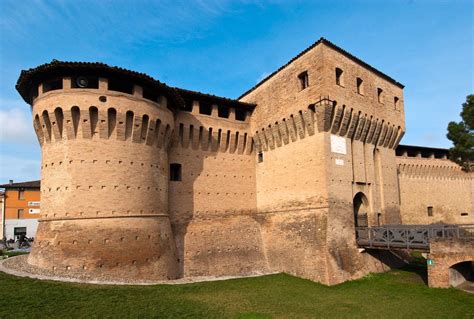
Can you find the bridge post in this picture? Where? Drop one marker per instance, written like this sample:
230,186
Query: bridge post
445,253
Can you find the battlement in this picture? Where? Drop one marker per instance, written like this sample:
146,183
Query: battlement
148,181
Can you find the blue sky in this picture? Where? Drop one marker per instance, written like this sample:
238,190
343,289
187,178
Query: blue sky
225,47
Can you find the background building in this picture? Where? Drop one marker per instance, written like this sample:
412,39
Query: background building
2,223
21,209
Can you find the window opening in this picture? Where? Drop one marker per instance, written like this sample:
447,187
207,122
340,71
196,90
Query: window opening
175,172
304,81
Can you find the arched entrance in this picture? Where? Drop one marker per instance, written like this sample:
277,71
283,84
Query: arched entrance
361,208
461,275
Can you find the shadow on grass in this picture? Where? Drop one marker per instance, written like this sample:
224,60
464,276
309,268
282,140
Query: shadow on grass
420,271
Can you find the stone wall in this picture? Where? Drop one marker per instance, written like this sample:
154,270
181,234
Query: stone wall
444,254
294,129
104,200
437,183
213,207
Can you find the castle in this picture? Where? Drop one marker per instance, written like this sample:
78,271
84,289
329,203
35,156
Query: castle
146,181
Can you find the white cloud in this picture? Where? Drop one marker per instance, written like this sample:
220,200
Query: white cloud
16,124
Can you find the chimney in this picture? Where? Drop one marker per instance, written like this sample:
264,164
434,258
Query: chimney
10,181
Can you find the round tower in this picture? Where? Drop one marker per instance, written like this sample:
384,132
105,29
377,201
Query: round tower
104,133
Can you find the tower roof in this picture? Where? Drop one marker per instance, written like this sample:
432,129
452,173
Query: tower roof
32,77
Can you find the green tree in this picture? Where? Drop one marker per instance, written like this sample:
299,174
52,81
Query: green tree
462,136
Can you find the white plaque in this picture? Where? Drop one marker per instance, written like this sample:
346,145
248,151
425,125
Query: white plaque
338,144
339,161
33,203
34,211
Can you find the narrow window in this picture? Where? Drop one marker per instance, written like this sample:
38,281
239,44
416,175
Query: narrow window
430,211
223,111
339,77
128,124
94,116
175,172
112,120
205,108
395,102
21,213
21,194
304,81
360,88
379,94
260,157
464,214
240,115
56,84
76,117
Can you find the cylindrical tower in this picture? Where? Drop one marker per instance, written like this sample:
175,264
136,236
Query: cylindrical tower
104,133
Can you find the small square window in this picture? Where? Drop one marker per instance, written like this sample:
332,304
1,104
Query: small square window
205,108
303,79
175,172
56,84
260,157
240,115
223,111
21,213
21,194
430,211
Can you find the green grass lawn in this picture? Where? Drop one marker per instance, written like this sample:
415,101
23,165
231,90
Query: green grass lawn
396,294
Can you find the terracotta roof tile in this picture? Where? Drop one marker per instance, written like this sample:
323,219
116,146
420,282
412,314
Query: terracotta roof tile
31,184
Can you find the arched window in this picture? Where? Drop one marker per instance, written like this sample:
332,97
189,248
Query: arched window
128,124
111,121
339,79
380,95
360,87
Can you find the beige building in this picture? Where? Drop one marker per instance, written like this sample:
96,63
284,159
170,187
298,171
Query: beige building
150,182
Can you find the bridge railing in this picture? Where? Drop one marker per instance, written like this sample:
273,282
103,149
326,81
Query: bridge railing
409,236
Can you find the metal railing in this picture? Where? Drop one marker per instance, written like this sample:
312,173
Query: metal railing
409,236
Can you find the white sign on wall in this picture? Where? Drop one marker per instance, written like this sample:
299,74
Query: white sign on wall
34,211
339,162
33,203
338,144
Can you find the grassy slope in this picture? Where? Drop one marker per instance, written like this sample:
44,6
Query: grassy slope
397,294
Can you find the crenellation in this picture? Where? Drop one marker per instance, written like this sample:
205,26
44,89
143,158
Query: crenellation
149,182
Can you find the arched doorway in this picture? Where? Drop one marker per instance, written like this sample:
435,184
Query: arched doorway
461,275
361,209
